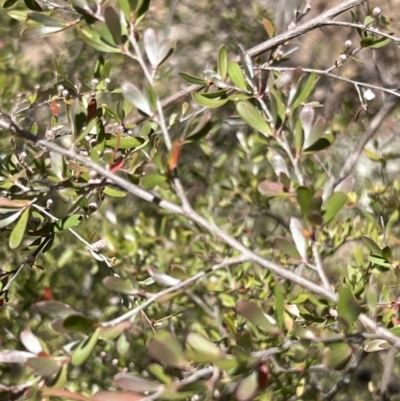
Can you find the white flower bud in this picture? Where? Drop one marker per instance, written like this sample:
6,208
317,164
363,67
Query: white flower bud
348,44
369,95
376,12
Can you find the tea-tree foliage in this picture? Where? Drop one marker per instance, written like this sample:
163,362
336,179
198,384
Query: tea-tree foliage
220,244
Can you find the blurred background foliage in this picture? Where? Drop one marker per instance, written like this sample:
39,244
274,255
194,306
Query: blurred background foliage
220,172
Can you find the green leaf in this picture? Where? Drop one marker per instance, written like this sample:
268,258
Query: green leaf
253,312
223,62
61,225
111,332
192,79
279,305
84,349
151,181
55,308
115,193
112,21
247,388
33,5
286,247
18,232
136,97
167,349
44,366
10,218
46,20
93,39
236,75
9,3
337,355
333,205
371,245
376,346
300,241
201,350
118,284
304,196
40,31
205,101
123,345
348,307
304,90
126,143
250,115
78,323
372,43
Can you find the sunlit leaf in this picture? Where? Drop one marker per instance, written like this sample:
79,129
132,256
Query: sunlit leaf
333,205
249,114
337,355
18,232
46,20
287,247
112,21
253,312
207,101
247,388
236,75
55,308
136,97
200,349
166,349
192,79
376,346
84,349
297,233
44,366
371,245
30,342
156,48
13,356
119,284
348,307
223,61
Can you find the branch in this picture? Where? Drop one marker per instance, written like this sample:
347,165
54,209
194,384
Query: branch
394,92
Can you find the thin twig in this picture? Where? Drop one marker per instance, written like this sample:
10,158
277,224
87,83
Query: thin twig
320,266
387,107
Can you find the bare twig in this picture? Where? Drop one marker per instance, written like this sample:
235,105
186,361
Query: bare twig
387,107
320,266
394,92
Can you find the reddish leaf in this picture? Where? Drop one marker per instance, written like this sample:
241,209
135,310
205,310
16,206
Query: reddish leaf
174,155
263,375
54,108
91,110
117,165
